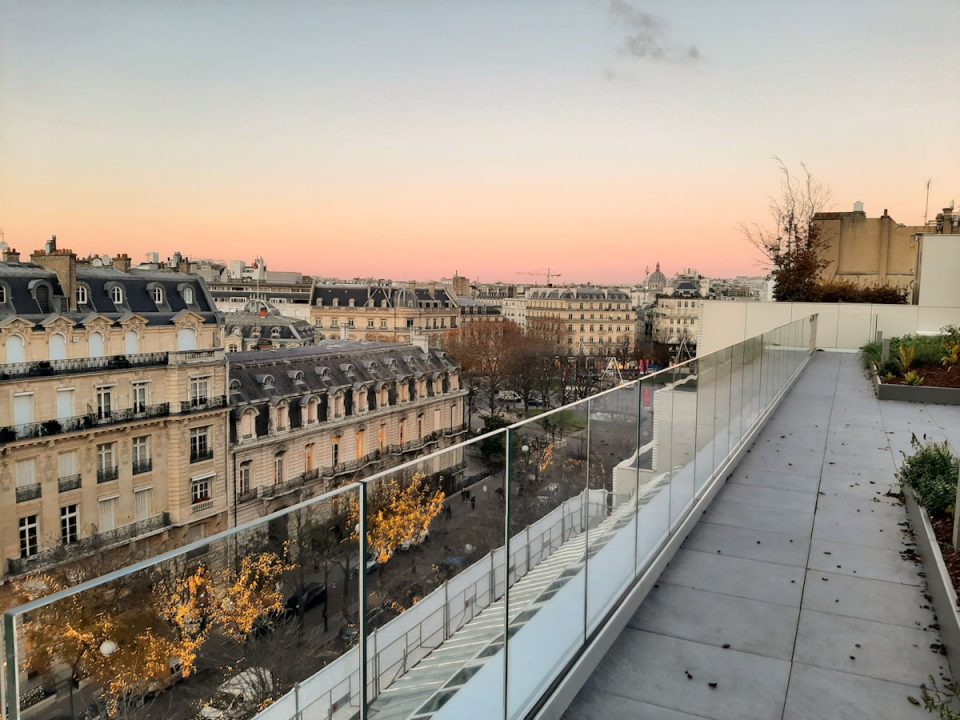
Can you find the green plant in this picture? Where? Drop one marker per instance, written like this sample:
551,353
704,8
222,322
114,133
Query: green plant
939,701
931,473
889,377
870,355
912,378
907,353
951,354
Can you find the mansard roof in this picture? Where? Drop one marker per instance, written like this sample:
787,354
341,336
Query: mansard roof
21,281
326,367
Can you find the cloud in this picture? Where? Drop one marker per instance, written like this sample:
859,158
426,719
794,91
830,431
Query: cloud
646,36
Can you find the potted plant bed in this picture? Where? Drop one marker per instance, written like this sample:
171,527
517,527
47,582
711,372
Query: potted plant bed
929,480
940,386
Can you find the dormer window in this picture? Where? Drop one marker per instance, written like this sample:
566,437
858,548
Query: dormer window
157,295
83,296
188,295
116,295
3,294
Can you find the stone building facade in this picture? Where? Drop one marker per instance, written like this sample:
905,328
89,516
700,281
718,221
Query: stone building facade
112,409
306,420
592,320
384,313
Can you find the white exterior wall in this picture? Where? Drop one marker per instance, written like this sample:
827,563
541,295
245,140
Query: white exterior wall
845,326
937,274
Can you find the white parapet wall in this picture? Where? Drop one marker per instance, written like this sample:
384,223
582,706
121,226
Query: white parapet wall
841,326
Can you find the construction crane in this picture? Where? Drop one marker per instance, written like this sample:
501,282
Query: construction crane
546,274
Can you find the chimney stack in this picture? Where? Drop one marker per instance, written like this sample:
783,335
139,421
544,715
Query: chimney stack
122,262
11,256
64,264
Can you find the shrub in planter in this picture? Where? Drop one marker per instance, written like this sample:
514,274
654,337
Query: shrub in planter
912,378
931,473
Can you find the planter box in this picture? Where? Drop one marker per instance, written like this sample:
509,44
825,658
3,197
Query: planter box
938,580
916,393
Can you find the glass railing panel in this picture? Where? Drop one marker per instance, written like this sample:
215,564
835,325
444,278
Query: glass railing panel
737,392
684,397
706,403
614,462
721,406
655,469
434,531
551,509
175,637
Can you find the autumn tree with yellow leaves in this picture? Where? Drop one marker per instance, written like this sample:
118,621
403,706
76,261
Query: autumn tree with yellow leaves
146,623
401,514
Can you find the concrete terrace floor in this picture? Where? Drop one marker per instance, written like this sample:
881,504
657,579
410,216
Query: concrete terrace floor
791,594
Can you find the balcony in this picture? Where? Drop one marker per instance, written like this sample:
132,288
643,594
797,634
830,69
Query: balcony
75,366
85,546
142,466
69,482
738,501
107,474
201,506
26,493
82,423
203,404
201,455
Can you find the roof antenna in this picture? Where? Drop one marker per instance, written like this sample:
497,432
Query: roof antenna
926,206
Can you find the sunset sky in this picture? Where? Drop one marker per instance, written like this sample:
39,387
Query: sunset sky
413,138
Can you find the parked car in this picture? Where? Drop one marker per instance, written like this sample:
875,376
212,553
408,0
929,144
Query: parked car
508,396
424,537
239,696
309,596
167,681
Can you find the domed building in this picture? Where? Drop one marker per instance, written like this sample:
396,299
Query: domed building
656,280
261,326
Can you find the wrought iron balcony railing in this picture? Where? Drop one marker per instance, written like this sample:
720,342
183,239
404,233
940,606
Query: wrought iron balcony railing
107,474
28,492
69,482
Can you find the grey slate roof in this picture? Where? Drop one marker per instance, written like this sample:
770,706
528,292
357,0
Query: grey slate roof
21,281
377,295
578,293
298,372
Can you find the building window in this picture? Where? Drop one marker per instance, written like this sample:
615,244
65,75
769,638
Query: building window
68,524
67,465
104,402
29,536
383,324
277,469
143,504
25,473
106,467
188,295
108,514
283,417
350,323
116,295
335,450
3,294
200,490
308,457
199,391
141,396
419,427
141,455
360,452
403,430
383,437
83,296
200,444
248,424
157,295
370,324
243,478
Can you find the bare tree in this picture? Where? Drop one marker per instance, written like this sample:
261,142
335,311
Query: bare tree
793,245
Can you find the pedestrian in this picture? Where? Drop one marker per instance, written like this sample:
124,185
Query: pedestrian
473,502
449,511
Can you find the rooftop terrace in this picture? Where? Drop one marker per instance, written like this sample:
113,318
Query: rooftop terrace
791,597
711,541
